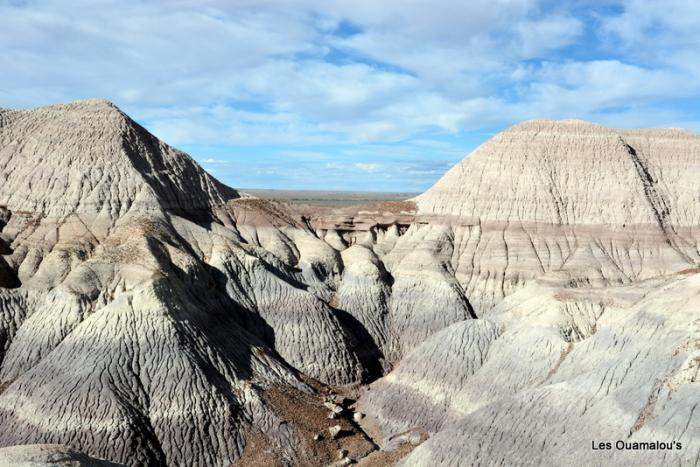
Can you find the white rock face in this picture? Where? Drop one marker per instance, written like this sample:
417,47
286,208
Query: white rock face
147,311
139,368
572,172
578,248
596,205
90,158
142,317
541,395
122,340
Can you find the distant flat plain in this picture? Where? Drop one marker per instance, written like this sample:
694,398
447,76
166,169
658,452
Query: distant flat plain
328,198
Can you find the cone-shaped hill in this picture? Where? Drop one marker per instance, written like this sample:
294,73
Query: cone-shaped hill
89,157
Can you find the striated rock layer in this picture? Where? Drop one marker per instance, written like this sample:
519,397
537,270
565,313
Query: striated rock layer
89,158
595,205
578,248
146,309
542,295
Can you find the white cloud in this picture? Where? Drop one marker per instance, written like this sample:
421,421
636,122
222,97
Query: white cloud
596,85
170,58
673,21
280,72
367,167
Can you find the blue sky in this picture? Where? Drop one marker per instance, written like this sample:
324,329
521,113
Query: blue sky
353,95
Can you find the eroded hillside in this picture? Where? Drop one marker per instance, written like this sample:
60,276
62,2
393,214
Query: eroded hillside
544,292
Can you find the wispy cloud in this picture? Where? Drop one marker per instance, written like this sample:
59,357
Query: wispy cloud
242,82
367,167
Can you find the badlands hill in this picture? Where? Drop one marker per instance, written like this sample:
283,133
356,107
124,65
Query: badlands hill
542,296
599,206
89,158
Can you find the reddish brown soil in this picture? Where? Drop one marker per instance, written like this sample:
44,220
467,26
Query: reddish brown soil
258,453
308,417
